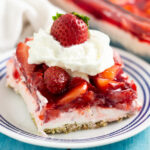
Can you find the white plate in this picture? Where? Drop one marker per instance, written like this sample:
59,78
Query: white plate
16,122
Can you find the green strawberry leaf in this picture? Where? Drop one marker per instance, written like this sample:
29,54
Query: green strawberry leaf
84,18
57,16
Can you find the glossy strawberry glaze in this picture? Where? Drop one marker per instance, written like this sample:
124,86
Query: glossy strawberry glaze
120,16
110,88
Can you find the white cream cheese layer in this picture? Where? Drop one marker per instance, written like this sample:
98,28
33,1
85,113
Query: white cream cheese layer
92,57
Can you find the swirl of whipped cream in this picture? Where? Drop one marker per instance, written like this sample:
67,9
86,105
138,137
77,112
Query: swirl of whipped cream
91,57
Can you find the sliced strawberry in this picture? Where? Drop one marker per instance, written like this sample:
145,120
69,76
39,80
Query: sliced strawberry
105,84
22,53
74,93
109,78
111,72
102,84
22,56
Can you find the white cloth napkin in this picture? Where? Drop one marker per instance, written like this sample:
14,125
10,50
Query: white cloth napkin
21,18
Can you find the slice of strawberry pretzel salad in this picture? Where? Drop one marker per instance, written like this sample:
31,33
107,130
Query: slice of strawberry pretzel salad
70,78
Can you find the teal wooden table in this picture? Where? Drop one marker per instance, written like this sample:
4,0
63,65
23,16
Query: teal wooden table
140,141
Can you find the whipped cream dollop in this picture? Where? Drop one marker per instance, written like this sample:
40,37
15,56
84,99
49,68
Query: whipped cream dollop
90,58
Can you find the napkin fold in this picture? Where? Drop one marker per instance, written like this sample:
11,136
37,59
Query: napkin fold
21,18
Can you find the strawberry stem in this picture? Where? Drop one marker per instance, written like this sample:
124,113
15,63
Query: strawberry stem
84,18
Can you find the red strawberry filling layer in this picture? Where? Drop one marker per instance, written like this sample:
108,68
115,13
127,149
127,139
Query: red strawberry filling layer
119,16
110,88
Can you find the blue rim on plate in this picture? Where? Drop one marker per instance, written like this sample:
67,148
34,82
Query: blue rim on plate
134,67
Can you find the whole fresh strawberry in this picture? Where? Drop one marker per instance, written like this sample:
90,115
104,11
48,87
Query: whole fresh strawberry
70,29
56,79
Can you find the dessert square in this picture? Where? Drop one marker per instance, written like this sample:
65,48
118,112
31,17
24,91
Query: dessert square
70,78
